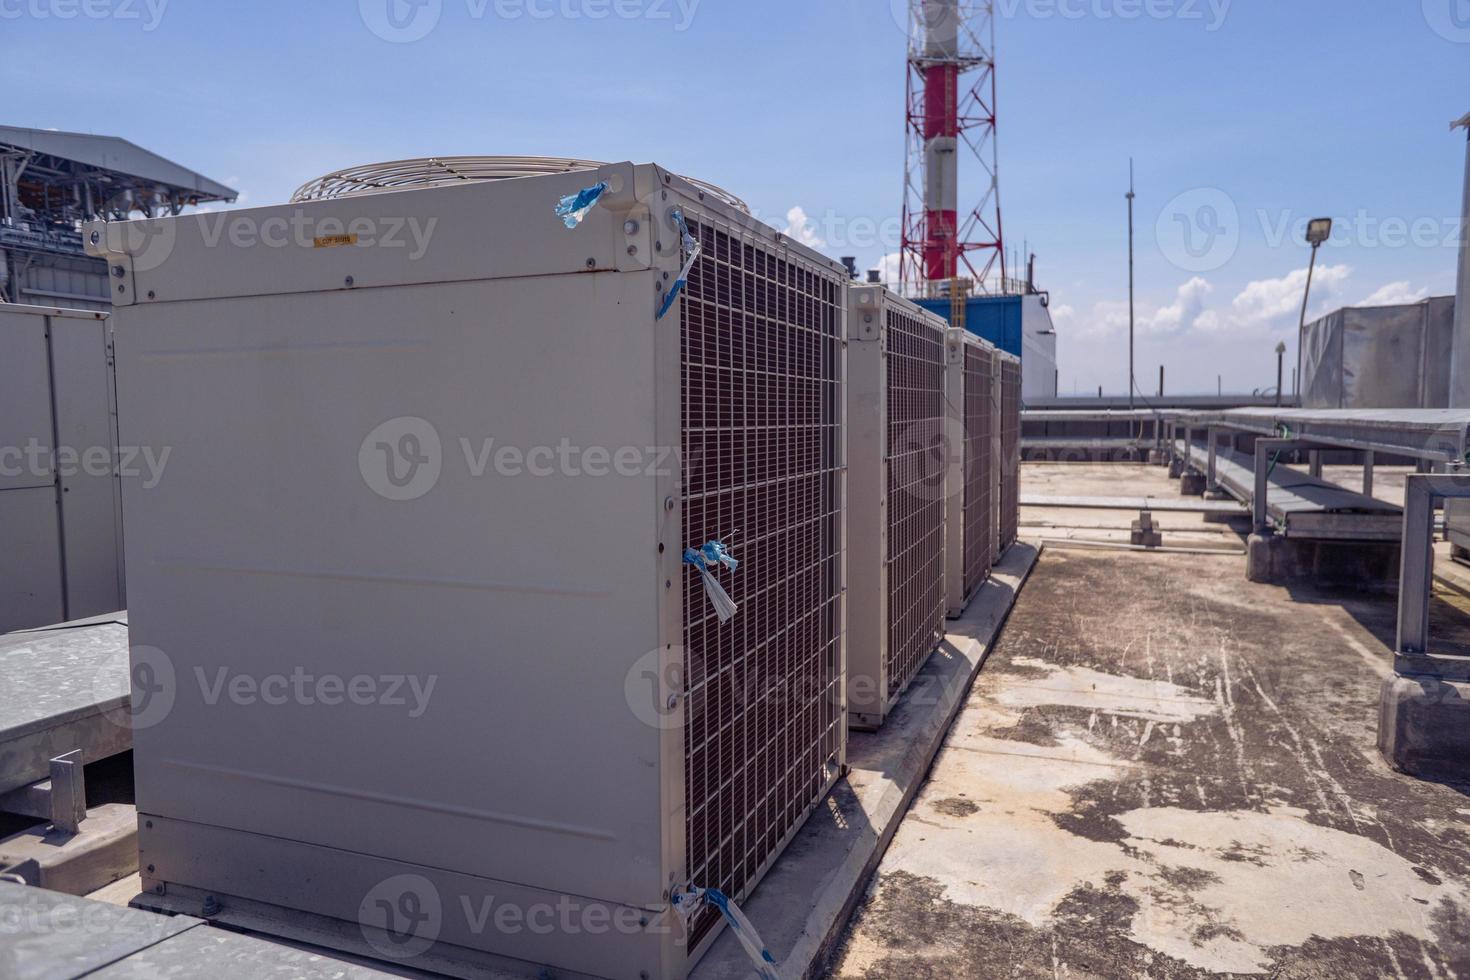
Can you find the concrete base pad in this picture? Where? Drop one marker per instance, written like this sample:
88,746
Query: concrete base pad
1157,457
103,850
1217,494
1176,469
1278,560
1192,484
802,905
1424,726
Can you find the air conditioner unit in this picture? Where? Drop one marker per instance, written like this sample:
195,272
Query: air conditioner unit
972,477
457,457
896,457
1010,451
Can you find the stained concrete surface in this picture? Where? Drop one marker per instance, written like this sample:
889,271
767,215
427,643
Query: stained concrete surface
1167,771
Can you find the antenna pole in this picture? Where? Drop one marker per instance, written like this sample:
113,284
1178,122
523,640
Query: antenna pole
1131,196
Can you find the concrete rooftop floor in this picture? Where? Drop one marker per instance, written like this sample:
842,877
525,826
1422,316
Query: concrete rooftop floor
1165,770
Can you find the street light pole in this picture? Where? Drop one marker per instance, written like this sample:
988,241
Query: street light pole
1318,231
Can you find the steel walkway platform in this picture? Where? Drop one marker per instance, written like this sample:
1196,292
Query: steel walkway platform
1300,505
1439,435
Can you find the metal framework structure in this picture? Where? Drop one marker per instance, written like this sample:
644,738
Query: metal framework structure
950,105
51,182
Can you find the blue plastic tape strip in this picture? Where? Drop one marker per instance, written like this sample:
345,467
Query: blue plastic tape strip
690,902
691,247
574,207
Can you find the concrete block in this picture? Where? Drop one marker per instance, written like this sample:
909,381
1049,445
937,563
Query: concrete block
1157,457
1145,533
104,849
1176,469
1424,726
1192,484
1366,565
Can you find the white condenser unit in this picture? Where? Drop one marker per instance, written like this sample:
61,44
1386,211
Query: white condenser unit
470,459
973,478
1010,451
896,455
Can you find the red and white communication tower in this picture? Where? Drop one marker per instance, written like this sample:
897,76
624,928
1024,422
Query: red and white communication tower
950,107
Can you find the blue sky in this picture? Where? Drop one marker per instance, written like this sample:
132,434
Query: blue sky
1245,117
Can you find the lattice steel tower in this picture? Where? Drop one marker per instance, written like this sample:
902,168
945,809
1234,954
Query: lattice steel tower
950,109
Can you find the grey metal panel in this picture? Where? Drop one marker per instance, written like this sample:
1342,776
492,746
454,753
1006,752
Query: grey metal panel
91,530
30,559
113,153
1321,381
503,612
1439,343
25,411
1379,357
1382,357
51,936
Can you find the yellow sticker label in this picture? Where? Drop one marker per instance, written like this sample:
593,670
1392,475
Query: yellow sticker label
333,241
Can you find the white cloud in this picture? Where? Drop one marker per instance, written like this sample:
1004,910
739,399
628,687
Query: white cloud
800,228
1061,315
1110,317
1396,294
1186,310
1270,304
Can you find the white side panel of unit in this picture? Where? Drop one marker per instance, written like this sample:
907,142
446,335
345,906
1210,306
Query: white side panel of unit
272,547
954,477
867,514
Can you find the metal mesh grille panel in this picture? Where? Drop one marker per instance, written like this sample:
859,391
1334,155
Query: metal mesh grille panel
761,375
1010,443
915,470
979,509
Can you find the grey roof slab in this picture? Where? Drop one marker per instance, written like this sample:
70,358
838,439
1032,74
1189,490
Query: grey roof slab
45,935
